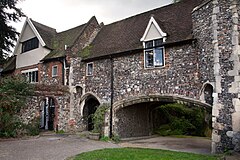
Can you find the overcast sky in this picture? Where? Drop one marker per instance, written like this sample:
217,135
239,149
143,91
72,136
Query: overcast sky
66,14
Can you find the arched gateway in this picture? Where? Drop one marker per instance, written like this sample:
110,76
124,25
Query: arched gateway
135,117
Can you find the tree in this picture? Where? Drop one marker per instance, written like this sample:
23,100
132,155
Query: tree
14,92
8,34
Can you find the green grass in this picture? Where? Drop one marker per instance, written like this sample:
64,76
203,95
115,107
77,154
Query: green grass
140,154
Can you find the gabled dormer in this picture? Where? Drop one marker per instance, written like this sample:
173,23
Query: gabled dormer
32,45
153,39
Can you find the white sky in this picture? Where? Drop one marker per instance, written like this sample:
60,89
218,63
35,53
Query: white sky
66,14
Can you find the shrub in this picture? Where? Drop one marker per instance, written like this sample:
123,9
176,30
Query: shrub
32,128
105,139
10,124
182,120
99,118
13,94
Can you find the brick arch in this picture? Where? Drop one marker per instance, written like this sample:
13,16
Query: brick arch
159,98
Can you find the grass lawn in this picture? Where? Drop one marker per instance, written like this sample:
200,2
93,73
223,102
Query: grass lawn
140,154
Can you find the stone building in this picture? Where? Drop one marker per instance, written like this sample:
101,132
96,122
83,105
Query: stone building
187,52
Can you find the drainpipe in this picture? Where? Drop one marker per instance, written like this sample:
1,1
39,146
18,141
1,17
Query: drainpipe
63,70
112,94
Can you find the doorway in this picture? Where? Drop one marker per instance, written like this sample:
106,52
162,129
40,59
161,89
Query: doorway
47,114
90,107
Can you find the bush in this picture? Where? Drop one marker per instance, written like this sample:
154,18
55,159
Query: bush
32,128
99,118
13,94
10,124
182,120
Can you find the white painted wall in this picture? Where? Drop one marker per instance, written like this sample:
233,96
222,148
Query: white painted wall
153,33
31,57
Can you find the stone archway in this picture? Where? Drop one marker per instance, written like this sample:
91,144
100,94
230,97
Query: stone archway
207,93
135,117
90,106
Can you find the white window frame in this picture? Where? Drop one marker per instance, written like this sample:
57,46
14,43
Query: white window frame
54,75
154,54
87,69
30,79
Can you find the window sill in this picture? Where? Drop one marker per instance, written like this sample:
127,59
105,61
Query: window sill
154,67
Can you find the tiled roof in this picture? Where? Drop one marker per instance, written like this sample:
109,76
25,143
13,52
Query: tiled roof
64,38
57,41
125,35
47,33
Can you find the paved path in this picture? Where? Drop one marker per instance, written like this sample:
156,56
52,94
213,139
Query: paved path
192,144
56,147
49,147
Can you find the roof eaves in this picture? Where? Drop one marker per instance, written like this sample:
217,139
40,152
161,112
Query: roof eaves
36,32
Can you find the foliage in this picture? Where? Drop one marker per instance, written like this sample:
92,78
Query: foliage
13,95
182,120
99,118
8,35
32,128
105,139
10,124
140,154
60,132
116,138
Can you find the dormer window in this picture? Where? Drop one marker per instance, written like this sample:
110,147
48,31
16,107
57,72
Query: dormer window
30,44
153,54
153,39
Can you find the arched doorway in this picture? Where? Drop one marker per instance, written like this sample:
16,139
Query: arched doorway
47,114
90,107
208,94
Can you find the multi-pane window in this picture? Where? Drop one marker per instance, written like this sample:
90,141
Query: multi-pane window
30,44
54,71
89,69
154,54
31,77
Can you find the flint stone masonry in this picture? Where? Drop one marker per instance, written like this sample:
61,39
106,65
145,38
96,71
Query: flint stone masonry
178,76
61,99
210,58
45,72
216,28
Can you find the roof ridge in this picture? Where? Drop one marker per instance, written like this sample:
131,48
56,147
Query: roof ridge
43,25
139,14
151,10
71,28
